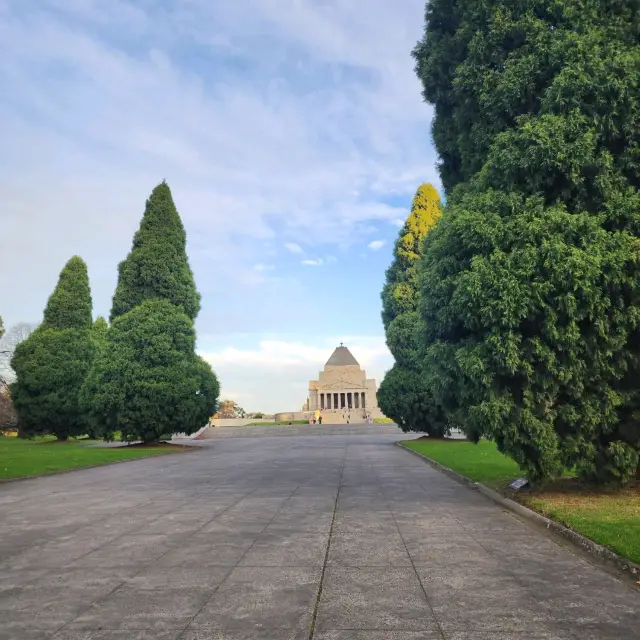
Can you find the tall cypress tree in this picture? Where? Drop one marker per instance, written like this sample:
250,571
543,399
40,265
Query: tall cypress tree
52,363
404,395
147,381
157,265
529,294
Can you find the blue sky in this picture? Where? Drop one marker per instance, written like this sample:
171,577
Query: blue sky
292,133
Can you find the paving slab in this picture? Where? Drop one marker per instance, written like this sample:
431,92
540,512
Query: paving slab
289,536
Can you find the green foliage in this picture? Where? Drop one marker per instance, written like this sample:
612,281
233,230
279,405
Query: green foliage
530,281
407,400
100,328
148,382
1,327
157,265
95,428
404,394
51,364
69,306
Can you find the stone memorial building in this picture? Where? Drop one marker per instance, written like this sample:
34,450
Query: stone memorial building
342,391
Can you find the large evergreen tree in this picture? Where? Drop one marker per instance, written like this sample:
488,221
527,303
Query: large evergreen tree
51,364
530,282
404,395
147,380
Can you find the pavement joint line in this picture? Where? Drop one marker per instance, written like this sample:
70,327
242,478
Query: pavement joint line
623,565
413,565
151,563
316,607
237,564
506,565
93,524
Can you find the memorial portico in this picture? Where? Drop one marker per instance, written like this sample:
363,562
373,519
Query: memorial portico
343,387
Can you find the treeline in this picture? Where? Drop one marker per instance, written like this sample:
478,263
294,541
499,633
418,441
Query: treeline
138,375
521,315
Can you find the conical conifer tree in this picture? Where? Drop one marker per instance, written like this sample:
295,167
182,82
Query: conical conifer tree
52,363
69,306
403,394
157,265
147,381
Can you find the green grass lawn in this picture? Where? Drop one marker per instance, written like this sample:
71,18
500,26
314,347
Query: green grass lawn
610,518
21,458
482,462
383,421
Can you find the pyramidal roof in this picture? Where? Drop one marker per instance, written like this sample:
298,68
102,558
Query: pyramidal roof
341,357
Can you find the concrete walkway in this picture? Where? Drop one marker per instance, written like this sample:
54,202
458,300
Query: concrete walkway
287,539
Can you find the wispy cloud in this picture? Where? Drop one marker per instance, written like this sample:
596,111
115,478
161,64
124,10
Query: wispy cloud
106,98
293,247
313,263
376,244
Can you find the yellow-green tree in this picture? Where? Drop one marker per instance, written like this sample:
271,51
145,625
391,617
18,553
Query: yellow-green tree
400,290
403,395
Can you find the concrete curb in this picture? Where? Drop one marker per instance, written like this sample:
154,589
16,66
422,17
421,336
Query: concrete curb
91,466
621,563
180,437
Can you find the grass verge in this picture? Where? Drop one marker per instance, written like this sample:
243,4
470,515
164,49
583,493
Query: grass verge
22,458
610,518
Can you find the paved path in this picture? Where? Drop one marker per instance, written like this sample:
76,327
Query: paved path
273,538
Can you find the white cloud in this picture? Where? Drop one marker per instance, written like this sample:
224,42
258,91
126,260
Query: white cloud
293,247
313,262
281,353
274,375
244,152
376,244
106,98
